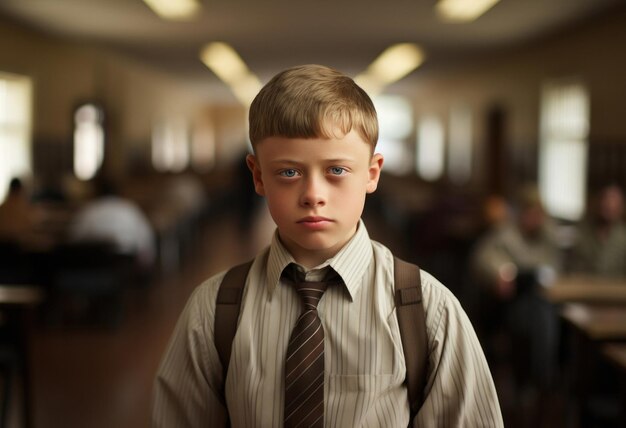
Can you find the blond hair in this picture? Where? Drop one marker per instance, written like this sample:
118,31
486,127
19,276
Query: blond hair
312,101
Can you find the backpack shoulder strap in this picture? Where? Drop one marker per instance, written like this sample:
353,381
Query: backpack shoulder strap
227,307
409,309
412,322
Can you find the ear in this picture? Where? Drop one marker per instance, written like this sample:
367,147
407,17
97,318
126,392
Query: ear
376,165
257,179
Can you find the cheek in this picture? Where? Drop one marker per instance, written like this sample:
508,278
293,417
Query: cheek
275,212
353,197
278,200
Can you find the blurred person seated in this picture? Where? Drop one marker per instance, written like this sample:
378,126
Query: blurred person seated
600,248
112,219
18,220
509,263
495,211
17,216
48,189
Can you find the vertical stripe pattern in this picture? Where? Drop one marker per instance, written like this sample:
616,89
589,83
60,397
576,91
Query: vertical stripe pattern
363,357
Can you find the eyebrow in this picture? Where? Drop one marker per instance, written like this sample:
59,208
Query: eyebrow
341,160
298,163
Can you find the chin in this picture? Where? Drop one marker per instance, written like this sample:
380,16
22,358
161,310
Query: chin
316,244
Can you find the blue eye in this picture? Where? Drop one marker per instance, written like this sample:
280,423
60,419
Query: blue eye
288,173
337,170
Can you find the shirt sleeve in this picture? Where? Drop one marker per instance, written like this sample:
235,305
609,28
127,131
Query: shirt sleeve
460,390
188,384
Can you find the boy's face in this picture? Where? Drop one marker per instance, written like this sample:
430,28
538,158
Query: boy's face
315,190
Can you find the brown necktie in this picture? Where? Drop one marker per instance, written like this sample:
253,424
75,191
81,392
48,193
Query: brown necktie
304,364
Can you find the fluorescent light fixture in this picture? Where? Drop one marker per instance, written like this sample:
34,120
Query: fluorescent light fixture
174,9
463,10
392,65
226,63
246,89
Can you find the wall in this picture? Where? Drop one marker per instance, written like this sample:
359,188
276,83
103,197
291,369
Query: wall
134,96
513,79
65,73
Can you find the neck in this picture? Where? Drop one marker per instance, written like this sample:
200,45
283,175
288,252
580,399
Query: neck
312,258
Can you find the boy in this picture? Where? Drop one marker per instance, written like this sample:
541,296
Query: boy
313,132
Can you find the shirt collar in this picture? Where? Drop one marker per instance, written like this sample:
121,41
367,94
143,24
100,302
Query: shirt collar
350,262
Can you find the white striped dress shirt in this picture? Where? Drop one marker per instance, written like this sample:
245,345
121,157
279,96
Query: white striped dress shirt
364,361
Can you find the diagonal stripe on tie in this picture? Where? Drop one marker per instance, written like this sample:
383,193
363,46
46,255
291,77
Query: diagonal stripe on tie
301,370
304,363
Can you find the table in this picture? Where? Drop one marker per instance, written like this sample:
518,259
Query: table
616,353
597,323
586,289
594,325
20,294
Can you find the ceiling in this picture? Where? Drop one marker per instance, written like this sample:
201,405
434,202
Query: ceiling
273,34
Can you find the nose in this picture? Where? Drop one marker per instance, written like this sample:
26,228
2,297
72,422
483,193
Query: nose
313,192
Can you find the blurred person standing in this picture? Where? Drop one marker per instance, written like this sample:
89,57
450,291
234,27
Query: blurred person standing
600,248
510,262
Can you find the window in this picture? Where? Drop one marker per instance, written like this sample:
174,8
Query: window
15,128
460,144
430,148
395,118
203,146
170,145
563,148
88,140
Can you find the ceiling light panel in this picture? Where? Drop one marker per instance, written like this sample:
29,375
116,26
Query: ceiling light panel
463,10
174,9
392,65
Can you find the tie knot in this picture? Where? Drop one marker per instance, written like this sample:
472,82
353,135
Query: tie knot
310,292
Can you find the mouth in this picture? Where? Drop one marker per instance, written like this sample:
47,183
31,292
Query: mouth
313,219
314,222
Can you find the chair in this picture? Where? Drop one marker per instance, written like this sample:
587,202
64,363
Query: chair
15,267
94,273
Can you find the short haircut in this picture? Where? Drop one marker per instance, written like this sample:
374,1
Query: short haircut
312,101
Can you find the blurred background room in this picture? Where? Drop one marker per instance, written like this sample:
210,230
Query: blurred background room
123,184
